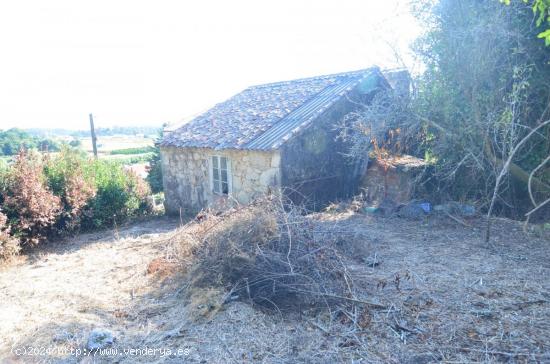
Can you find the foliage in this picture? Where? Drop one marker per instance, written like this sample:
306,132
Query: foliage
485,86
28,202
13,140
120,194
50,195
154,176
541,9
9,245
269,253
66,176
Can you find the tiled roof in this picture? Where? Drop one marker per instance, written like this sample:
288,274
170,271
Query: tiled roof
264,116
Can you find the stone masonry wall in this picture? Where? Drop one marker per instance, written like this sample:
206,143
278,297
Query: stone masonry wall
394,179
186,176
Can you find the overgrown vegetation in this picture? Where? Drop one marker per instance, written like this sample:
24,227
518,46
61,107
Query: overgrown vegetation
484,89
9,245
44,196
28,202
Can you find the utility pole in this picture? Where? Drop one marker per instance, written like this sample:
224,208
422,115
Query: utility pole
94,138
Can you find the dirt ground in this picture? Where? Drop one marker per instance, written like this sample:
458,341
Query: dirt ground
446,296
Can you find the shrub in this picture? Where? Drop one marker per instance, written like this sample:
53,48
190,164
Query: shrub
67,179
9,246
59,194
28,202
120,194
95,193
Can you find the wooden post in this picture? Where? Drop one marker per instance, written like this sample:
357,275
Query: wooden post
94,138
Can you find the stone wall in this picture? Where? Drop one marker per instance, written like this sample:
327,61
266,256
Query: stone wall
392,179
186,176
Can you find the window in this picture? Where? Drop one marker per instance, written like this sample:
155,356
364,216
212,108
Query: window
221,181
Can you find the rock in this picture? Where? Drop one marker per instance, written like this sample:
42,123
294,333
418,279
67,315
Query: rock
99,339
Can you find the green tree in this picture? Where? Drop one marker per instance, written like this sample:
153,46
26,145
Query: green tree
154,176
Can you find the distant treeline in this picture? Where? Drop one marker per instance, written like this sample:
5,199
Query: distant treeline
13,140
115,130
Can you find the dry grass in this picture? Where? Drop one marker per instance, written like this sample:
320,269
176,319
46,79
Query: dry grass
438,292
269,255
445,296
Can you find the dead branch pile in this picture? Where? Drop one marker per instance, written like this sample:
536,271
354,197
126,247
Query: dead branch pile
268,254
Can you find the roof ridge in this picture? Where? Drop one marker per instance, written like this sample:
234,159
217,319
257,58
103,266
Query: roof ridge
339,74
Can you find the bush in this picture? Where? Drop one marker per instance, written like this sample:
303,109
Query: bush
120,194
95,193
67,179
58,194
28,202
9,246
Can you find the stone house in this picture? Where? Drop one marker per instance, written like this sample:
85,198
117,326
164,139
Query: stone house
274,137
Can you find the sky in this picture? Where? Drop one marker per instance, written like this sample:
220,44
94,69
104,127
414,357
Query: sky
133,62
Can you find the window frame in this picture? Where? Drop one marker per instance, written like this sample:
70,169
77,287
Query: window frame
218,159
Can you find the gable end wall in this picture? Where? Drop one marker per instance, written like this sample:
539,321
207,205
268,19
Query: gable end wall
314,170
